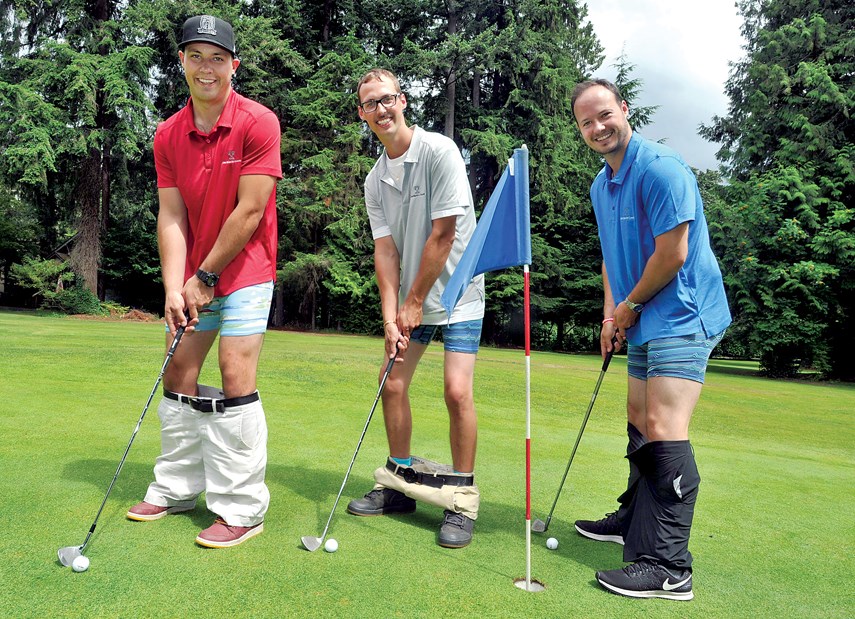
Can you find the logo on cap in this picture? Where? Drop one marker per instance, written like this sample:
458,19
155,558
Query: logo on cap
207,25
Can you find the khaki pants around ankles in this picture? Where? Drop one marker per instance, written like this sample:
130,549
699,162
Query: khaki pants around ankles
460,499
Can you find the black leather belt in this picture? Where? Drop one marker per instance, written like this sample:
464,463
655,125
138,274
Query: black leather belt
412,476
209,405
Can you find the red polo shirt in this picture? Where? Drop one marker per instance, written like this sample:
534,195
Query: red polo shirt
206,169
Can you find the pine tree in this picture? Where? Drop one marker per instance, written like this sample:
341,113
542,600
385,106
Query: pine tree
72,96
788,146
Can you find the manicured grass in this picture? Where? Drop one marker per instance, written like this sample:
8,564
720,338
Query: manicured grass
774,532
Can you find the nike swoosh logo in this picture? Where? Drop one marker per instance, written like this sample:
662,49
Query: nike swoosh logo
667,586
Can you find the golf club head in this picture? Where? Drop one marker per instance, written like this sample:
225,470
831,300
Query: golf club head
68,554
311,543
538,526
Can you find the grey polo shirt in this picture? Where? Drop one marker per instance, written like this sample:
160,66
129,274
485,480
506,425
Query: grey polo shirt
434,185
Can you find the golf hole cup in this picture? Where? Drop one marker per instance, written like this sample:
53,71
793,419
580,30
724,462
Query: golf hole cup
552,543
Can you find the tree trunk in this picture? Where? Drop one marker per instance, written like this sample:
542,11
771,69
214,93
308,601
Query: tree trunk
476,104
86,255
451,84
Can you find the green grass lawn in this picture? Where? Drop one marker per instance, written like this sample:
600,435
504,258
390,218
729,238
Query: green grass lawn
774,528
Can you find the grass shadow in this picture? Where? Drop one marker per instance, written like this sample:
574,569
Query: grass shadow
129,489
321,486
733,367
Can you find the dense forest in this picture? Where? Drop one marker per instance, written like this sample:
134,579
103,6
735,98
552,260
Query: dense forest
83,84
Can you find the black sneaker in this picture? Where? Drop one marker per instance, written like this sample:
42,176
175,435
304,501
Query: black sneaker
604,530
456,530
648,580
382,501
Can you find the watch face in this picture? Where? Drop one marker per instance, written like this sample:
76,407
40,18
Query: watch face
209,279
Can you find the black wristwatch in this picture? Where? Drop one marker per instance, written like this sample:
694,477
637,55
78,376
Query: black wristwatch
635,307
209,279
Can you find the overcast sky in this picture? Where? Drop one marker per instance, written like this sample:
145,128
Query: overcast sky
681,50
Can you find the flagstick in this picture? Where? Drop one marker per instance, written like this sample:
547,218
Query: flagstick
527,318
529,584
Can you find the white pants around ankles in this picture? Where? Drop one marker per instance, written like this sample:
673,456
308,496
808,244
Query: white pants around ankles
223,454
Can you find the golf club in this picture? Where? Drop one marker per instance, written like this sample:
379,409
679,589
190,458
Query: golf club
313,543
538,526
68,554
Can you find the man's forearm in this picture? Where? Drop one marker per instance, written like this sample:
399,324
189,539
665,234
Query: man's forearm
235,234
254,192
434,256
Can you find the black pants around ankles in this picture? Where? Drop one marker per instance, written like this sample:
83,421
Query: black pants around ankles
659,516
636,440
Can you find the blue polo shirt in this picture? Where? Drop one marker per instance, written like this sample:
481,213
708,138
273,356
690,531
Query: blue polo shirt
653,192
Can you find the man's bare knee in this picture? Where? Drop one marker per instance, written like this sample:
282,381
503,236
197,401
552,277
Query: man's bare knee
458,401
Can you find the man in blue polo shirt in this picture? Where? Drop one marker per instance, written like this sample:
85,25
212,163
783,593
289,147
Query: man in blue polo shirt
664,298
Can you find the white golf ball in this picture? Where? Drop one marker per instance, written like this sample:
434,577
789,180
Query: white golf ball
552,543
80,564
331,545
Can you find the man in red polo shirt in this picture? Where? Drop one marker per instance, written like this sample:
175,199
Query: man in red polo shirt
217,164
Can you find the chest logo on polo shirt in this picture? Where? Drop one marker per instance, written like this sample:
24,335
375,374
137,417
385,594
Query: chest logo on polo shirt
628,214
417,191
231,158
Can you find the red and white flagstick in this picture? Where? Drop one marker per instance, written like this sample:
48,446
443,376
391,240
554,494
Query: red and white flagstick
529,585
527,321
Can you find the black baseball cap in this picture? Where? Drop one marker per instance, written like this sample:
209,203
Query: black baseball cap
208,29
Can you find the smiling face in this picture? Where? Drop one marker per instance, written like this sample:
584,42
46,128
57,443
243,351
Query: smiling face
208,70
602,120
388,124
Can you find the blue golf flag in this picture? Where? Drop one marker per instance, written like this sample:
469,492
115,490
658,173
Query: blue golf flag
502,237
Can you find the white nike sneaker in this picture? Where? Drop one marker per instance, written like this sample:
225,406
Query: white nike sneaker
644,579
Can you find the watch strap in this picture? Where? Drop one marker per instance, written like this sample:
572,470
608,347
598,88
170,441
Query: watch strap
209,279
635,307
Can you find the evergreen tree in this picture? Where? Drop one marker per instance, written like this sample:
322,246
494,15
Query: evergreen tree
72,98
630,88
788,145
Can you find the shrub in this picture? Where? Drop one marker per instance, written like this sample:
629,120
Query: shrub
56,285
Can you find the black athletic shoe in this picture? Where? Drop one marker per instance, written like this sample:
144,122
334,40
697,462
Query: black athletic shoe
456,530
604,530
648,580
382,501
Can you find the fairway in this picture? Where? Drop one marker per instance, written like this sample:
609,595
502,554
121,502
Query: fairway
774,532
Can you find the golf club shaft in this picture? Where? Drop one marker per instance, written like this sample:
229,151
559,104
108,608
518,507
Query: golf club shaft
169,353
359,444
605,367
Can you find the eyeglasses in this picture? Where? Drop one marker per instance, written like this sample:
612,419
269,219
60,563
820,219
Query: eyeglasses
386,101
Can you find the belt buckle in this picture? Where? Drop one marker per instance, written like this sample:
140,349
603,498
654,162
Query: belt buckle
410,475
207,405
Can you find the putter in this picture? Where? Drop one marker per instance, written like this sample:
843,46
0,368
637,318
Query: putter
311,543
539,526
68,554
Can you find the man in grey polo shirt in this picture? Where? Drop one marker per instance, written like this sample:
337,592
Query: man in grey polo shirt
420,208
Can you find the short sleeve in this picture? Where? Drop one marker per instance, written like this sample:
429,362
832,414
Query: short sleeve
379,226
450,194
669,194
162,163
261,154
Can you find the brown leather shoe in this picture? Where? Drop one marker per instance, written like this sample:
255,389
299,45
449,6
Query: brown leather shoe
222,535
144,512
